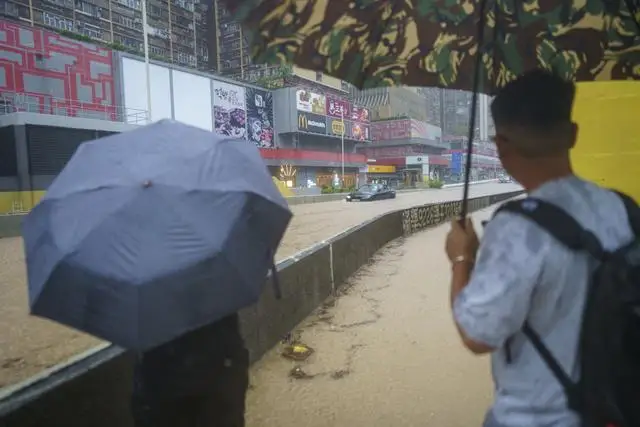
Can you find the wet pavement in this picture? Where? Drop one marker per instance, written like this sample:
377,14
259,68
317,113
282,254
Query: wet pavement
386,352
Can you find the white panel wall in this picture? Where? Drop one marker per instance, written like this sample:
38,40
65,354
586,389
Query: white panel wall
192,99
135,91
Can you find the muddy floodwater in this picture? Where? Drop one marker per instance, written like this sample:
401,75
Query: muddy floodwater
29,345
386,352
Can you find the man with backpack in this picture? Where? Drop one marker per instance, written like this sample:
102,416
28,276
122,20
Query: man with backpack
554,291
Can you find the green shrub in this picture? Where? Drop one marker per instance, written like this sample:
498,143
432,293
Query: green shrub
435,183
326,190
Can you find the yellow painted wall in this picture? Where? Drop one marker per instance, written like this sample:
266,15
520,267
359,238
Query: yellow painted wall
608,148
18,201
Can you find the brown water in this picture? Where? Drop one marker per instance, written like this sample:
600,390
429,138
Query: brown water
28,344
386,352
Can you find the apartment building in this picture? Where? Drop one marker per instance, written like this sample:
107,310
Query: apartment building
176,28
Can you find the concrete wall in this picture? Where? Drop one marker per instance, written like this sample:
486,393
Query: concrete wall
94,390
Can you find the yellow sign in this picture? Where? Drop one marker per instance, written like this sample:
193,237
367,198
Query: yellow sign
381,169
337,127
303,121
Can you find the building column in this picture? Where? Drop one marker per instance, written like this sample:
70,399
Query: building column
25,186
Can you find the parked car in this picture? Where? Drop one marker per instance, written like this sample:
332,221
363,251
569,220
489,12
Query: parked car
504,179
371,192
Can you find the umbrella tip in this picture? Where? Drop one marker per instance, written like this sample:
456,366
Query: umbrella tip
146,184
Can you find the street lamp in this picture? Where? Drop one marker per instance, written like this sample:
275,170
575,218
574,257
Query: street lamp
145,41
342,140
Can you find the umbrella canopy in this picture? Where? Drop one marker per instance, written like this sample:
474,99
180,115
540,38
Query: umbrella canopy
372,43
148,234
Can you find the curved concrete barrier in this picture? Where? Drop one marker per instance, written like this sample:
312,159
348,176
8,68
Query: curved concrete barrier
93,389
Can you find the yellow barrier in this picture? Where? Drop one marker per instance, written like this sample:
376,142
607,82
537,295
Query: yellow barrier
284,190
608,148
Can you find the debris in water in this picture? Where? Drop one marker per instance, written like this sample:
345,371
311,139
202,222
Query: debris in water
297,351
299,374
340,374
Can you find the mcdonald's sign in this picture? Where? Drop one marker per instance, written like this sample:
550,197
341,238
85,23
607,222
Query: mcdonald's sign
312,123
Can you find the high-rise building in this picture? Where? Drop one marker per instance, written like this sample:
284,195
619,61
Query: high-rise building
175,27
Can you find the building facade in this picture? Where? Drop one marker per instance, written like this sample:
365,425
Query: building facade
176,28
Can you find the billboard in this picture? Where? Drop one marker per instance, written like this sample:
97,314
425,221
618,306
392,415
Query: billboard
336,107
425,130
391,129
338,128
310,102
360,114
312,123
229,110
260,117
360,132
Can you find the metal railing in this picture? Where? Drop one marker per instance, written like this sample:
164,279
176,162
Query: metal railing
15,102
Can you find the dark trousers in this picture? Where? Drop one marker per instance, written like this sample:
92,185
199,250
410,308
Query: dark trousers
220,405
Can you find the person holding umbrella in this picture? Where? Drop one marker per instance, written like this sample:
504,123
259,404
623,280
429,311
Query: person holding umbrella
198,380
151,240
525,293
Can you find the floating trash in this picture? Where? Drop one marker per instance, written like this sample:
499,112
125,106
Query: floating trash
299,374
297,351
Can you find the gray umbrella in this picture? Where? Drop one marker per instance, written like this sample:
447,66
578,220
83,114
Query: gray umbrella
148,234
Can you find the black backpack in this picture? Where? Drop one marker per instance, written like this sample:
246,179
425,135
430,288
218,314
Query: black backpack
608,391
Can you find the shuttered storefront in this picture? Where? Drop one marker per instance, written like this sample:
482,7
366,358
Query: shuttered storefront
50,148
8,159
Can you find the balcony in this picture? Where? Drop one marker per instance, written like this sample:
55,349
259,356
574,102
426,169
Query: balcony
12,102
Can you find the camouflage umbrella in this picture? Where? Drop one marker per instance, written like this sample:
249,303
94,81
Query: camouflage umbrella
372,43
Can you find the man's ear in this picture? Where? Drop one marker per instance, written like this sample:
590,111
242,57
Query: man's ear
574,134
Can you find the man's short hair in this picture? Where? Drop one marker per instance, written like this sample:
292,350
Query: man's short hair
536,108
538,99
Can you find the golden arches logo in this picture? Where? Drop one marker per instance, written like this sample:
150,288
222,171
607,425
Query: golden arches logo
303,121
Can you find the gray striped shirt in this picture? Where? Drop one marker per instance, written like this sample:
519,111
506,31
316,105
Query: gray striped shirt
523,273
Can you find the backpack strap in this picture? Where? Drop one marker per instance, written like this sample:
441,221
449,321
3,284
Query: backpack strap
557,222
570,233
568,385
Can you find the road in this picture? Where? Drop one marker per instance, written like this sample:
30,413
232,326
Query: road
386,352
318,221
29,344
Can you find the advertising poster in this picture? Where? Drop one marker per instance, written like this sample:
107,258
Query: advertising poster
361,132
336,107
310,102
312,123
360,114
260,117
391,129
229,111
335,127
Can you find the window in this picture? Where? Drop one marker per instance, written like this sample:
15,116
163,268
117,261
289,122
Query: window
90,30
133,4
57,21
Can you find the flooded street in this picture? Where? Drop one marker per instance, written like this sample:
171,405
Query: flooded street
386,352
29,344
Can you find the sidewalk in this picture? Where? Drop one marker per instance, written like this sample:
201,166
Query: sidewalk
386,352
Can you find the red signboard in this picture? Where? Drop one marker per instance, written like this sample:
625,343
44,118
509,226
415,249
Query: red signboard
360,114
391,129
336,107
